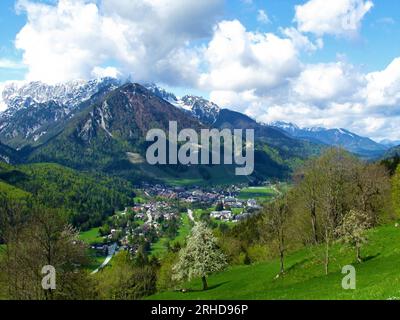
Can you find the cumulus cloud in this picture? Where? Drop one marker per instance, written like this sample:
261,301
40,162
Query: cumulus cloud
79,38
3,106
331,95
328,82
301,41
110,72
339,17
383,88
10,64
240,60
260,74
263,17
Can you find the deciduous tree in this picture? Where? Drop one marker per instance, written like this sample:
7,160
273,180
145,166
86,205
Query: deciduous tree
201,256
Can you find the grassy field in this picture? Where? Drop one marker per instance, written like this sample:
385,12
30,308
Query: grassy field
258,193
95,260
378,277
217,175
13,192
91,236
160,247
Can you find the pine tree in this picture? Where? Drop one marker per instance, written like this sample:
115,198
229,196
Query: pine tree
201,257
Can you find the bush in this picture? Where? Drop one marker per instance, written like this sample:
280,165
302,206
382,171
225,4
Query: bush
257,253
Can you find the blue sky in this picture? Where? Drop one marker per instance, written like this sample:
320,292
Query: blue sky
377,45
312,62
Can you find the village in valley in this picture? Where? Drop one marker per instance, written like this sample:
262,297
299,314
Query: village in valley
162,216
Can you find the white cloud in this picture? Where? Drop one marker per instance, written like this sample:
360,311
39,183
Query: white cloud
339,17
383,87
328,82
302,42
3,105
240,60
111,72
262,17
74,38
386,21
10,64
260,74
332,95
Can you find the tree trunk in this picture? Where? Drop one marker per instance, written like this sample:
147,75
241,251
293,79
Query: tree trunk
314,224
282,253
282,263
358,254
205,285
326,252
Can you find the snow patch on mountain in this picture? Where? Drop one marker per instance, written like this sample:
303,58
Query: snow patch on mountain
70,93
334,137
204,110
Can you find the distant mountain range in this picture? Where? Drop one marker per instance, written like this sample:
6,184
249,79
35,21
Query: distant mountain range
352,142
390,143
101,125
393,152
104,130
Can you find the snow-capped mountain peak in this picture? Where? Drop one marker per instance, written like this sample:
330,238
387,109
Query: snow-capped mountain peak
69,94
203,109
32,109
162,93
334,137
287,126
206,111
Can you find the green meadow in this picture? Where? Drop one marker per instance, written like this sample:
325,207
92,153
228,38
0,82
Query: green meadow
378,277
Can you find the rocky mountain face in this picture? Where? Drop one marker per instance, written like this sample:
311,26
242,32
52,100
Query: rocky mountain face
7,154
109,136
69,94
205,111
271,140
103,134
101,125
35,109
352,142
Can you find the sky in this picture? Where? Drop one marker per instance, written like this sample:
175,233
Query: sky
310,62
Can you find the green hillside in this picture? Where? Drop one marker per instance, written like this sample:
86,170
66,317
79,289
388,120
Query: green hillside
88,198
378,276
13,192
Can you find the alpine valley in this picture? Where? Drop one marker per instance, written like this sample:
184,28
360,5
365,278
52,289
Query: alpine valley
100,125
73,174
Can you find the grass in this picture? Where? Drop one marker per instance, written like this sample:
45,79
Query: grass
217,175
91,236
13,192
198,212
159,248
378,277
258,193
184,229
96,260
